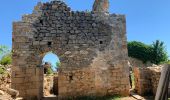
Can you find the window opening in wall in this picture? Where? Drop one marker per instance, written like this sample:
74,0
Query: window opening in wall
41,21
101,42
49,44
70,77
50,64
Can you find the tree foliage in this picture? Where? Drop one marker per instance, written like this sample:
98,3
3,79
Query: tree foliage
49,71
4,49
2,71
58,64
154,53
159,53
139,50
6,60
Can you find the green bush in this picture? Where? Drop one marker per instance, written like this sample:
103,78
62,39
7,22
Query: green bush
6,60
139,50
49,71
2,71
154,53
58,64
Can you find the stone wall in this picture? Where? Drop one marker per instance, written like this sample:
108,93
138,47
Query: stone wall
101,5
147,79
48,85
91,46
138,63
55,85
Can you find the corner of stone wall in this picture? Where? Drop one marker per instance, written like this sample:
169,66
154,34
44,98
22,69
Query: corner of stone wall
146,79
25,78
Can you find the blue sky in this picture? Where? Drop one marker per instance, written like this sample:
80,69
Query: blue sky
147,20
47,58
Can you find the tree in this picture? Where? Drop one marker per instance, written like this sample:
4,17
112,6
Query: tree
159,53
154,53
139,50
4,49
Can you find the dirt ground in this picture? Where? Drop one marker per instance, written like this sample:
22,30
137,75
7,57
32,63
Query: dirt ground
131,98
128,98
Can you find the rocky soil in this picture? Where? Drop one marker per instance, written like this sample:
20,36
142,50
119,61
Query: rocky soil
6,93
48,85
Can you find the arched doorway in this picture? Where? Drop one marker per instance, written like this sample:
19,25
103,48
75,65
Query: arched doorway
50,63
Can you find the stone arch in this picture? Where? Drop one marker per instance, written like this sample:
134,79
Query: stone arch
50,82
91,45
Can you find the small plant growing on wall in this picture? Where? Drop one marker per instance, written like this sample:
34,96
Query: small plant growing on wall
2,71
58,64
6,60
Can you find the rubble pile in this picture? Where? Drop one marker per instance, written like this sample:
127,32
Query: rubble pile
6,93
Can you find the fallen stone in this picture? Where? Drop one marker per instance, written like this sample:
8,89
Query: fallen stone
12,92
19,98
136,96
2,92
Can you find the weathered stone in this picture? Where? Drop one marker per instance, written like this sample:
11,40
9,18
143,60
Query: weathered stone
147,79
12,92
68,52
93,59
101,6
2,92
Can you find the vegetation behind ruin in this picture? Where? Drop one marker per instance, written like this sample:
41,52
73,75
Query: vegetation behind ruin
155,53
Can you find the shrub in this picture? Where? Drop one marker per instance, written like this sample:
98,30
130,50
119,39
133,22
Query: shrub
154,53
49,71
6,60
139,50
2,71
58,64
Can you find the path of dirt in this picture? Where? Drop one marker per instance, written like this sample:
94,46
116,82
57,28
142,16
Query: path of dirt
128,98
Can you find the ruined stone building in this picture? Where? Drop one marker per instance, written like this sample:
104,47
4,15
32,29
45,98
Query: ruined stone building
91,46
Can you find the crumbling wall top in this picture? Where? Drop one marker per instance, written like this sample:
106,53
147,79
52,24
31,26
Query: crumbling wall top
101,6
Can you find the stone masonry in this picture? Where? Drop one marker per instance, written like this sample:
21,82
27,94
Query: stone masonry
92,48
101,6
147,79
